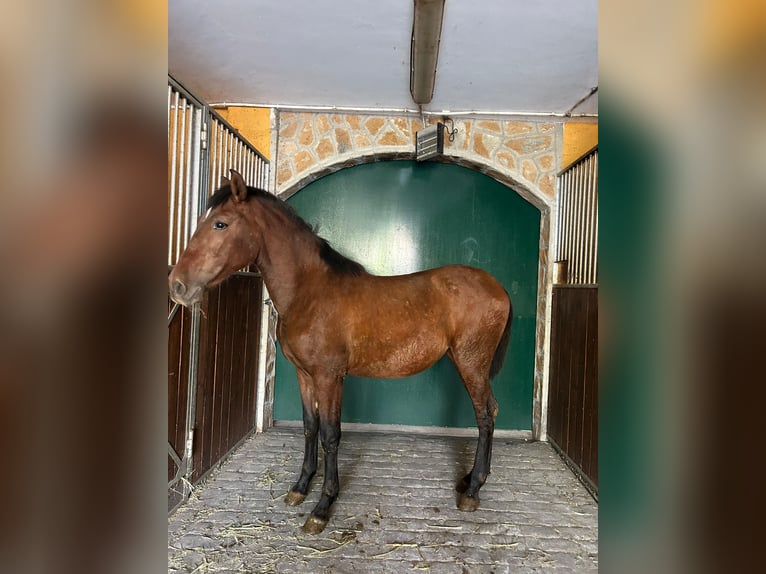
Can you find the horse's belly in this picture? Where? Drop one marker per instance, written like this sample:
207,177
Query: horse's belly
387,359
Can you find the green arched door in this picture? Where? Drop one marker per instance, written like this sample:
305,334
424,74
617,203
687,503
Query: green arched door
402,216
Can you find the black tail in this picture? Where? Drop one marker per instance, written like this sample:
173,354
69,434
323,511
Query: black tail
502,346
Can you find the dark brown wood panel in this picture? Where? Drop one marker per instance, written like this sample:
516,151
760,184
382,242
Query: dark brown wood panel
178,379
573,389
228,369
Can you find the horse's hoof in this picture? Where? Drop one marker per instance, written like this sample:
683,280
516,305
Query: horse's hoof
468,503
464,483
314,525
294,498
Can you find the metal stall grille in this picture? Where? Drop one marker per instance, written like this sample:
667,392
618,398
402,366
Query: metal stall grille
229,151
202,147
186,127
577,245
573,376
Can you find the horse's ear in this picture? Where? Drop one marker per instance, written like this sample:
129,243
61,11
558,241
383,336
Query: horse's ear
225,181
238,186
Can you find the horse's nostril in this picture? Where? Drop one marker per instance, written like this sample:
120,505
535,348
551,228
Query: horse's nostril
178,287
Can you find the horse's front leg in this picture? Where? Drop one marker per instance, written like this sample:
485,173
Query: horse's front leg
329,394
297,494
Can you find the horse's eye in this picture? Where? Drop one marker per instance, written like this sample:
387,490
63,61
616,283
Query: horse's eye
220,225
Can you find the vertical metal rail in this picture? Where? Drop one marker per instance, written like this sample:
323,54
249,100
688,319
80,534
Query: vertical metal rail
577,238
187,163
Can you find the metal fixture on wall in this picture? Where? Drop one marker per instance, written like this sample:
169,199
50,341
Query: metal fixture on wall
429,142
426,33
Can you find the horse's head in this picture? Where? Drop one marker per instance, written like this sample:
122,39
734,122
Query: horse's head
223,243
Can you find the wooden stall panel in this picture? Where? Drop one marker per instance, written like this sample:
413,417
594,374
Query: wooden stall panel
573,398
228,369
179,336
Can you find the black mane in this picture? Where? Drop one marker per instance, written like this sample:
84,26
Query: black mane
334,260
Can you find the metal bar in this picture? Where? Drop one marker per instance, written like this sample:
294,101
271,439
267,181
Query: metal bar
582,192
588,220
181,183
176,459
219,166
179,466
188,174
231,151
192,391
226,165
173,193
196,172
212,156
594,235
579,212
204,163
591,221
173,312
568,222
234,145
221,153
562,217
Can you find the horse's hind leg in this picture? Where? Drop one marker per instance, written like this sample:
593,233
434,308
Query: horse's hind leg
329,395
474,480
476,382
297,493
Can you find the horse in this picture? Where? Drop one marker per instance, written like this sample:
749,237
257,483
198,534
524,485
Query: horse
336,319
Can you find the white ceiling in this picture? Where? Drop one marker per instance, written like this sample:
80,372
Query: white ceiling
496,56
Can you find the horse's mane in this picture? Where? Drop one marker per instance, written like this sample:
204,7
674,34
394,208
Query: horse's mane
334,260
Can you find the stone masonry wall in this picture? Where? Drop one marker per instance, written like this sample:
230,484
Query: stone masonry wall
522,152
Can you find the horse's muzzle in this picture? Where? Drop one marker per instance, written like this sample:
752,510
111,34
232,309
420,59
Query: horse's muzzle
181,293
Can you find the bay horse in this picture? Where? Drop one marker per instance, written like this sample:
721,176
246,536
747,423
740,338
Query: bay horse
336,319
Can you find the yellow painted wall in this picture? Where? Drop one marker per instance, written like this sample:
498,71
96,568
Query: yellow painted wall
579,137
253,124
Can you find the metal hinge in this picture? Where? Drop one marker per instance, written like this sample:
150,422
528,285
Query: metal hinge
203,135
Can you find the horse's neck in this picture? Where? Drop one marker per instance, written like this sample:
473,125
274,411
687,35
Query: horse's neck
287,256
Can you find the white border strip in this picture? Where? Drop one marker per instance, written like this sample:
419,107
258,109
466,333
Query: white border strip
408,111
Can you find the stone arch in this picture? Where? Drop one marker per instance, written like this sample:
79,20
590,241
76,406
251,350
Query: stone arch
510,179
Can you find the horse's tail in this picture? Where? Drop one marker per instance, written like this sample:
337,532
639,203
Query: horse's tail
502,346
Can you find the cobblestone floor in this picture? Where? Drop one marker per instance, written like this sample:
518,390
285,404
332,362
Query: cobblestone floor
396,511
